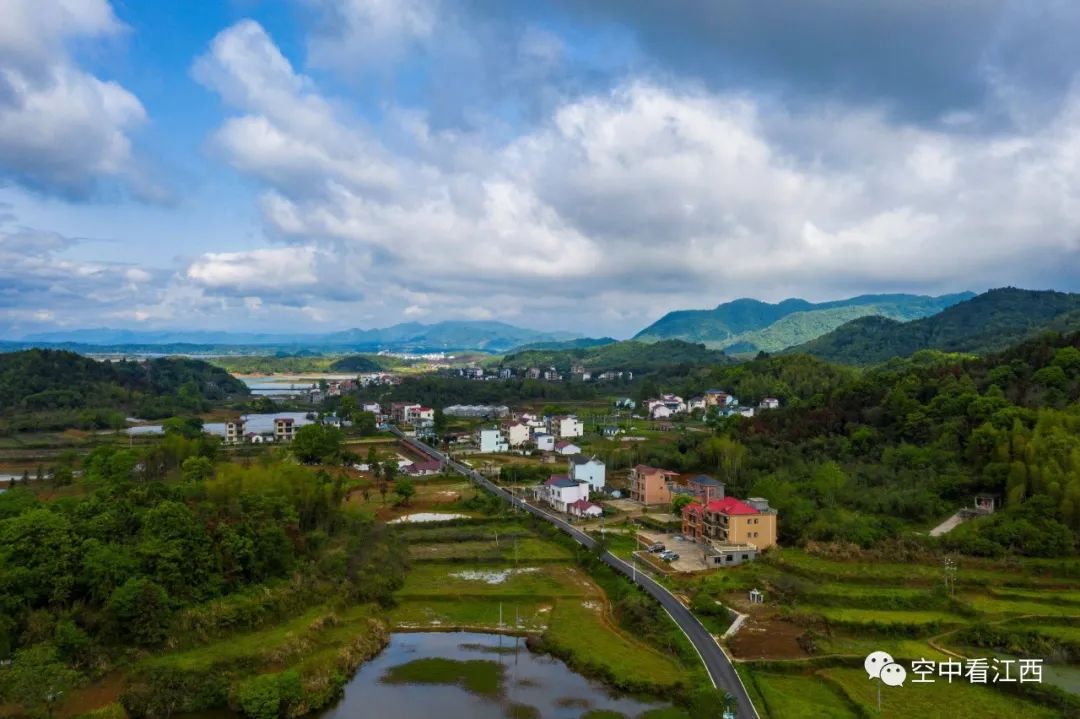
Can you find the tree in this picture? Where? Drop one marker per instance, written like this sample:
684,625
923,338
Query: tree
317,443
197,469
139,609
347,407
678,502
404,489
365,423
38,678
440,422
389,471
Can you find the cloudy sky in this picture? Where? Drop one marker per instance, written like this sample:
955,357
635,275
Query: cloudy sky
575,164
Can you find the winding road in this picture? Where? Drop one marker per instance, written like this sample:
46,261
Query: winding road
720,669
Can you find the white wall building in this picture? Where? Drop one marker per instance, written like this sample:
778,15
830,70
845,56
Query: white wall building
517,434
492,440
588,469
567,427
567,448
545,442
560,491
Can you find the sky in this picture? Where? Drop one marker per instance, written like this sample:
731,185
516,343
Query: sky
583,165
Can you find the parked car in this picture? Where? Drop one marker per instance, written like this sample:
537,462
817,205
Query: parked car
679,538
672,556
657,547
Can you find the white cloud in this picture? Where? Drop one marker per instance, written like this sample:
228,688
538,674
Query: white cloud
62,129
356,33
646,198
248,272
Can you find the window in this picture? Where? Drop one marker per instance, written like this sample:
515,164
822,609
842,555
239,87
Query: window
745,557
755,521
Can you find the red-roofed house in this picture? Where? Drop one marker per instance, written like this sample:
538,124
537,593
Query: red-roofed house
731,521
423,468
567,448
585,509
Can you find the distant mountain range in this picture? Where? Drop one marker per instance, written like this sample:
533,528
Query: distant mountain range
747,326
988,322
487,336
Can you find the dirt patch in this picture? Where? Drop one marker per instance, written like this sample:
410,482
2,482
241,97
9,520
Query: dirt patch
767,638
99,694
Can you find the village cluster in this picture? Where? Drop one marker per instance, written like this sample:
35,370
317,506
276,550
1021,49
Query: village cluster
722,530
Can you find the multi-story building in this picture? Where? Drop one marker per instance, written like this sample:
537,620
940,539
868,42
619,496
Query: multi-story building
567,426
705,489
588,469
560,491
731,523
491,440
517,434
284,429
650,485
234,431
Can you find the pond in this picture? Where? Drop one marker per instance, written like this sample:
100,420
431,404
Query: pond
454,675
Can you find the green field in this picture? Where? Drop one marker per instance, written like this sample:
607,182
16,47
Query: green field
440,581
959,700
995,606
881,616
582,628
508,549
529,615
795,696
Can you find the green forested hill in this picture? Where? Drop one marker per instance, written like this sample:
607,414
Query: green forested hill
55,388
989,322
749,326
638,357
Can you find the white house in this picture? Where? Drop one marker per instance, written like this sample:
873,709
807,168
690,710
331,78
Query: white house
517,434
567,448
588,469
585,509
695,403
372,407
660,411
492,440
545,442
568,426
423,414
746,411
769,403
560,491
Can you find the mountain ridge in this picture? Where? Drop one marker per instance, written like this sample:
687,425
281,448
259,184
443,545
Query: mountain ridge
746,325
989,322
451,335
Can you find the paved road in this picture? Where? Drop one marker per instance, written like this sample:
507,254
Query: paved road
720,669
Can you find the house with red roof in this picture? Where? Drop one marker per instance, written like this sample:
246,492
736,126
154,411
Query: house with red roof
730,521
585,509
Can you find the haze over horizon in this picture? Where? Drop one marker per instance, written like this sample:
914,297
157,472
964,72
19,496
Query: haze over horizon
288,166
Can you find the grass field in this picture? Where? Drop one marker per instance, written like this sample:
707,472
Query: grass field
995,606
530,615
581,627
959,700
882,616
440,581
508,549
797,696
275,644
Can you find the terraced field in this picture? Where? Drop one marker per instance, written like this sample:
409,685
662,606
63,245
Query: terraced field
803,649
